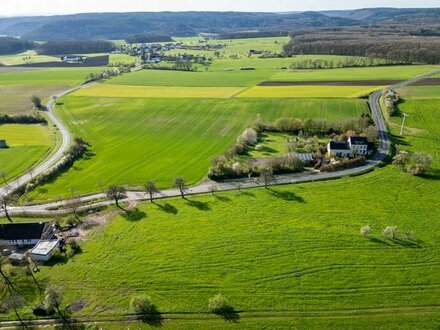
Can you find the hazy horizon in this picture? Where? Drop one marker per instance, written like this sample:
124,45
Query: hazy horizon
66,7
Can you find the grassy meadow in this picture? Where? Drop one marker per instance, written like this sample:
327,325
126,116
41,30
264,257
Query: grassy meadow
28,144
143,139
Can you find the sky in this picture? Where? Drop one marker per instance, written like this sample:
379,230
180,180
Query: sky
49,7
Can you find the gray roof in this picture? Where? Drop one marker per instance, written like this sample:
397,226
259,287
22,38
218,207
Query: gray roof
339,145
358,140
305,157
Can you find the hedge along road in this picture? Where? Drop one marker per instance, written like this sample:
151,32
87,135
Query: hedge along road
91,201
56,157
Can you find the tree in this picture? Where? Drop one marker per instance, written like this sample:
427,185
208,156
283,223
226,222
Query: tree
53,296
116,193
4,175
248,137
266,175
218,304
151,189
213,187
371,133
180,183
365,231
421,163
4,201
390,232
142,305
36,101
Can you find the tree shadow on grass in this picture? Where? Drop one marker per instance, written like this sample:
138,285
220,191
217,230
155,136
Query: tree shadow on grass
154,318
247,193
378,240
222,198
407,243
167,208
202,206
229,314
286,195
134,215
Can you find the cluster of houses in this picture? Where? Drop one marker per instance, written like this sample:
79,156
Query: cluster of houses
354,146
36,241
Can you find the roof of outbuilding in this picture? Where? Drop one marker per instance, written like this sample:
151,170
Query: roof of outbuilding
22,231
44,247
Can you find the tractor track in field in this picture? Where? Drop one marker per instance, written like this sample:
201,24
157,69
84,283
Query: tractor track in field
59,207
239,316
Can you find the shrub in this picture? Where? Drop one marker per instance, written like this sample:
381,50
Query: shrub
218,304
248,137
365,231
390,232
142,305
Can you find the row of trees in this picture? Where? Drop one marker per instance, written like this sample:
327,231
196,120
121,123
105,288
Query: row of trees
348,62
389,232
109,73
391,99
148,38
22,119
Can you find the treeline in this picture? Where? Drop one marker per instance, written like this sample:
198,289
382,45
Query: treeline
22,119
75,47
349,62
77,150
109,73
148,38
391,99
252,34
373,43
9,45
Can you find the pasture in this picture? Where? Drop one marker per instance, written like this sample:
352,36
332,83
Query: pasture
308,91
28,144
143,139
420,92
293,251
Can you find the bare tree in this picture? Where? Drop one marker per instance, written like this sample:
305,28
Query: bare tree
116,193
74,205
365,231
53,296
213,187
4,201
4,175
151,189
266,175
180,183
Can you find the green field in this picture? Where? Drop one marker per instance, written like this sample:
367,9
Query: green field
308,91
138,139
373,73
420,92
29,56
128,91
16,87
28,144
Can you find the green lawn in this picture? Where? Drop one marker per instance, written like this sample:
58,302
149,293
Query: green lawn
27,145
143,139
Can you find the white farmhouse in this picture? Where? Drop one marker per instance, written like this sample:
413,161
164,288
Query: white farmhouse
358,144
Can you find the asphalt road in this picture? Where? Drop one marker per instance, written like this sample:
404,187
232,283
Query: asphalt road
97,200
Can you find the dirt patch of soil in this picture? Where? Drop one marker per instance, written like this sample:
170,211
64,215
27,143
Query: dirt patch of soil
428,82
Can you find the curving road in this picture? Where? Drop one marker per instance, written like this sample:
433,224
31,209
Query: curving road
97,200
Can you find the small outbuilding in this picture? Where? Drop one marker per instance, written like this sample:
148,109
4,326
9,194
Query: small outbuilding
24,234
44,250
17,259
307,158
3,144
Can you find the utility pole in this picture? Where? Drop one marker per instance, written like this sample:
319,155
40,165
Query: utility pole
403,123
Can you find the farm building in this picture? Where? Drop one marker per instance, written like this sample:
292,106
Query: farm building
358,145
339,149
44,250
74,59
3,144
24,234
306,158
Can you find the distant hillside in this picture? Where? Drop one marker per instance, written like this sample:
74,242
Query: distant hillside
120,25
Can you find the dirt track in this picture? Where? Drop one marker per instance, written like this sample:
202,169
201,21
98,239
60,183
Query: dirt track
426,82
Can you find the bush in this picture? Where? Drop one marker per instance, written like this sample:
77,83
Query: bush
390,232
142,305
40,310
365,231
218,304
248,137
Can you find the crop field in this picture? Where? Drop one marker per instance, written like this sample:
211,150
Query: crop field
26,57
127,91
16,87
28,144
372,73
426,92
308,91
143,139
